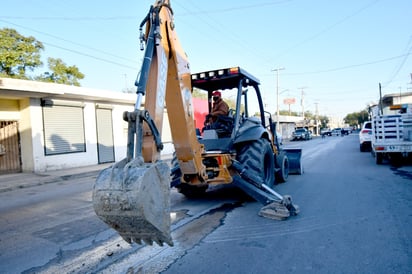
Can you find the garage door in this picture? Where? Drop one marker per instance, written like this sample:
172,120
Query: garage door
63,127
105,146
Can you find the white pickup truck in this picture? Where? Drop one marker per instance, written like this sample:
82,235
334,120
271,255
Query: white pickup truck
392,133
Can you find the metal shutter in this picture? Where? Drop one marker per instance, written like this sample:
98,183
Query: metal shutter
63,128
105,147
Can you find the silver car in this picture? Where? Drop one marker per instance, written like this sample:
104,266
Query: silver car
301,134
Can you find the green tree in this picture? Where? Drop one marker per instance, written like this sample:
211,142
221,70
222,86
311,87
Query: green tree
129,90
18,54
356,118
324,121
286,112
61,73
197,93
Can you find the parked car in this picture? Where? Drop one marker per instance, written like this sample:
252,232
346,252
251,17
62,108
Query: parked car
365,137
301,134
325,132
337,131
348,130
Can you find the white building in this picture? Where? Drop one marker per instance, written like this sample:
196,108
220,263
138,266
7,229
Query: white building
46,126
287,125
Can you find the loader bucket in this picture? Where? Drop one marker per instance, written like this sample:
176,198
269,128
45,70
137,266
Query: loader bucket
133,198
295,163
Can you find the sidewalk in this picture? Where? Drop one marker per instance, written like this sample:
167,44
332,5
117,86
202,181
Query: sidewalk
9,182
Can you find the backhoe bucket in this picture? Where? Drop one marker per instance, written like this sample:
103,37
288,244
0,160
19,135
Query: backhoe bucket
295,163
134,199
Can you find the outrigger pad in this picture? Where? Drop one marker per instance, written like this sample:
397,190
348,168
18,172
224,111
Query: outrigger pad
280,210
275,210
134,199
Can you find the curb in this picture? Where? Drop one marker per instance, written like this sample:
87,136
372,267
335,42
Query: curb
27,180
14,181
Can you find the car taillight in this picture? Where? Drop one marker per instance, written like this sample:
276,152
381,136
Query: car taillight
365,131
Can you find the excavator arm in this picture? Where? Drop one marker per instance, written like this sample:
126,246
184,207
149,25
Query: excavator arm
133,196
165,79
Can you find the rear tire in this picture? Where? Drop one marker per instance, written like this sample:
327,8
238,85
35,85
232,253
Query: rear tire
257,156
361,148
191,191
378,158
396,159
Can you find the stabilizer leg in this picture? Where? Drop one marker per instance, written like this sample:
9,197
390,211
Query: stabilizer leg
276,206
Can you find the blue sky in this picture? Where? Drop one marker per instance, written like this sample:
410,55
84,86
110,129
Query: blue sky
337,51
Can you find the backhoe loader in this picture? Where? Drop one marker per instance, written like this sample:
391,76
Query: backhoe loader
132,196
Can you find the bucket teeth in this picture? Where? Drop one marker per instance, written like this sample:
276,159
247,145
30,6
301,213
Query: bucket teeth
127,239
134,199
137,241
158,241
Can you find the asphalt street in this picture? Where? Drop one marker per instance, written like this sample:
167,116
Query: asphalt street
355,218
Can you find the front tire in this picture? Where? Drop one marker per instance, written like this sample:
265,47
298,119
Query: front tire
283,173
257,156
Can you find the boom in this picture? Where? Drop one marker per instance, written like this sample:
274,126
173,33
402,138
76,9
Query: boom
165,78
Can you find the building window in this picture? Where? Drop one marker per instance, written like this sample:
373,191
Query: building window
63,127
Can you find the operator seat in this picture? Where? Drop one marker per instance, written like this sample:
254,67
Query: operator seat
223,125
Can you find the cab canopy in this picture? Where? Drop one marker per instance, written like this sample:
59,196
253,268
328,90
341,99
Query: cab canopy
227,78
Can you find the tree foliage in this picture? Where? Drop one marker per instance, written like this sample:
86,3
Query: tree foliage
197,93
287,113
61,73
18,54
356,118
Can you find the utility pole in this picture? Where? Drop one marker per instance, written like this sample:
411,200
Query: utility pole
302,101
408,87
316,118
125,82
277,96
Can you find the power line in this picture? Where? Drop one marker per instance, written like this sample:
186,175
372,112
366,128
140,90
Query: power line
132,17
253,49
89,55
328,28
239,41
235,8
408,50
351,66
77,44
70,18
